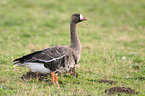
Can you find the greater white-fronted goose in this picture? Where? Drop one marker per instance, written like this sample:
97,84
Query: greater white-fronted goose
57,58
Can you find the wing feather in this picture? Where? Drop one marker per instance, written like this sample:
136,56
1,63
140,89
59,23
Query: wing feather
52,58
46,55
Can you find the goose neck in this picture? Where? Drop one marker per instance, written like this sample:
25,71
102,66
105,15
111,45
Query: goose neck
75,42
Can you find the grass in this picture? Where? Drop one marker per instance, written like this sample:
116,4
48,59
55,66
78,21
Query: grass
115,29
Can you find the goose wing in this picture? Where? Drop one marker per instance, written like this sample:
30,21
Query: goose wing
52,58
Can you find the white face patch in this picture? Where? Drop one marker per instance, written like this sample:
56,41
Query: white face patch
81,17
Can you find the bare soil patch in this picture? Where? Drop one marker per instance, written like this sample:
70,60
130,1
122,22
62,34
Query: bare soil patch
120,90
107,81
33,75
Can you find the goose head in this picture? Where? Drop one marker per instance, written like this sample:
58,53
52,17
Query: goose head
76,18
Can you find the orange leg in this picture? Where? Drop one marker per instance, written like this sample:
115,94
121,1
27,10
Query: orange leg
56,79
52,77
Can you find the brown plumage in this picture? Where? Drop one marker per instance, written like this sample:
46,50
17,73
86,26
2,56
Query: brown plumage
57,58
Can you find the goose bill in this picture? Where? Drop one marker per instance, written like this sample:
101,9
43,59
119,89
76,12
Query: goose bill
84,19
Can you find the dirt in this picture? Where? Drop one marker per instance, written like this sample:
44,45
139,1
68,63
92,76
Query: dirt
72,72
33,75
42,76
107,81
120,90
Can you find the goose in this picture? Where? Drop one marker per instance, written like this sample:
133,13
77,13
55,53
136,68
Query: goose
55,59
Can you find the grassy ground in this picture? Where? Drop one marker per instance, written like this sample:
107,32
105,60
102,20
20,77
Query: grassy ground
116,29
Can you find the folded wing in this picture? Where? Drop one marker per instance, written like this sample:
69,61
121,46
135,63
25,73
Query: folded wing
52,58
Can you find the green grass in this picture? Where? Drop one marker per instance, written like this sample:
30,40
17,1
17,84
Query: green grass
115,28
